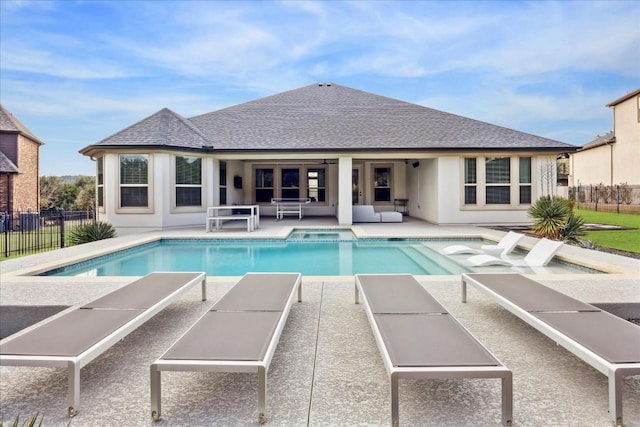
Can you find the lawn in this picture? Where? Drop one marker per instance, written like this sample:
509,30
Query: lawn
625,240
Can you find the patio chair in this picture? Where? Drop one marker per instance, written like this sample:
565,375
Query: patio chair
539,256
419,339
81,334
608,343
239,334
503,247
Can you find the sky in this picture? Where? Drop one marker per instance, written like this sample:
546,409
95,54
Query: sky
76,72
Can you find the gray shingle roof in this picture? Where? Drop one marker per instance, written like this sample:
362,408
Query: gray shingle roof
162,129
6,165
332,117
9,123
599,140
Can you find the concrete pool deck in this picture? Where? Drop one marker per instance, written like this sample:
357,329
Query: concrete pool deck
327,370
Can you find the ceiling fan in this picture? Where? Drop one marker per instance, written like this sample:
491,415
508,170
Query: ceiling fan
324,162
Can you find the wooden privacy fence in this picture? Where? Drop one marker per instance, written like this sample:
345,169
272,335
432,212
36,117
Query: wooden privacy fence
25,232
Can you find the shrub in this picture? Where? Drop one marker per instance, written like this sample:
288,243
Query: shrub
573,229
91,232
550,215
29,422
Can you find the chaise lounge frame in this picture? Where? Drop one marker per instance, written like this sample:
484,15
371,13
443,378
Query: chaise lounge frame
551,313
256,295
407,301
97,325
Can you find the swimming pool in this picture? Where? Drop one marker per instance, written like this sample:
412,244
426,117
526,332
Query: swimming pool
312,253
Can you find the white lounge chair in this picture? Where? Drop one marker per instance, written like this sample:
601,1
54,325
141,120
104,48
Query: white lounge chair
507,244
538,256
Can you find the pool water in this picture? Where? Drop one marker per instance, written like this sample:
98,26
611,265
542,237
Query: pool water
312,253
235,258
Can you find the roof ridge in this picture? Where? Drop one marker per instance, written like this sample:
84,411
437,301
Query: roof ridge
19,126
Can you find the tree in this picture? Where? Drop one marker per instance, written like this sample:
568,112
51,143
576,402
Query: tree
79,194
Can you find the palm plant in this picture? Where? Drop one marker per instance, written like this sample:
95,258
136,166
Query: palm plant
549,215
91,232
573,229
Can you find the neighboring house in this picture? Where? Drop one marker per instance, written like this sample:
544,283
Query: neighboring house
336,145
19,165
612,158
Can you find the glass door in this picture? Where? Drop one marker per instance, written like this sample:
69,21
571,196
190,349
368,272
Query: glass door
356,189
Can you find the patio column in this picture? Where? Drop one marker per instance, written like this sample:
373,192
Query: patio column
345,165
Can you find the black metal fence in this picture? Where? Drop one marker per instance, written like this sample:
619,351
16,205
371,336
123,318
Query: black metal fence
25,232
607,198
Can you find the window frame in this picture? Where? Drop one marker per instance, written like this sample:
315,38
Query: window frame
100,194
174,173
388,185
482,184
148,185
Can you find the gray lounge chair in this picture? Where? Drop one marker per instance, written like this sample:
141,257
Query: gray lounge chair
606,342
81,334
239,334
418,338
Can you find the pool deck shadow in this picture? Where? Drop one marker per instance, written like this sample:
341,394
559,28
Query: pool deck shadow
327,370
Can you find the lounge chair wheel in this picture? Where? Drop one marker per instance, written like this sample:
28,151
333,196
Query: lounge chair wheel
154,416
72,412
262,419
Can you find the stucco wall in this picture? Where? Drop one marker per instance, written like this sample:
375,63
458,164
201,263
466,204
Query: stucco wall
615,163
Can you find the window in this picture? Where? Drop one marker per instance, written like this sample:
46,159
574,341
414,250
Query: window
470,181
264,185
100,181
382,184
223,182
188,181
525,180
316,190
134,180
498,179
290,183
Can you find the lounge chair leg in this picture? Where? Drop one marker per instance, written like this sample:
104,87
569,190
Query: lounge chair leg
615,397
357,296
300,291
74,389
155,393
507,399
262,394
204,288
464,291
395,416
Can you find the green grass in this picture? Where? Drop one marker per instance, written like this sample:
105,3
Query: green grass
625,240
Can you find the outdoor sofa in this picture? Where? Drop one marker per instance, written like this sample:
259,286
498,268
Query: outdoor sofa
366,213
79,335
607,342
419,339
239,334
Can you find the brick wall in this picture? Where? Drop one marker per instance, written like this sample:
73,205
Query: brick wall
26,185
4,192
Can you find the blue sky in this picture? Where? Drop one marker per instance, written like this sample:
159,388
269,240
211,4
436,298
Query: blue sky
75,72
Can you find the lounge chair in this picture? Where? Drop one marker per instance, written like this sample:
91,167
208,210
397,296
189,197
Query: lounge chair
239,334
81,334
608,343
539,256
418,338
503,247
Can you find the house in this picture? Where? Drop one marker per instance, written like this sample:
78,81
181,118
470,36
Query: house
333,144
612,158
19,165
